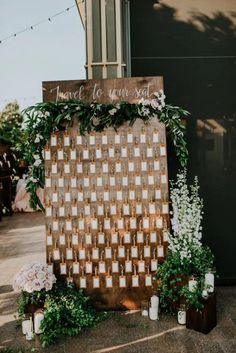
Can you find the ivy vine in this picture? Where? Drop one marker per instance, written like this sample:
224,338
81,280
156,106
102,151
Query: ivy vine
44,118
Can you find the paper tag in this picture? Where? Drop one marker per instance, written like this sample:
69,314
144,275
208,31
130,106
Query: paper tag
100,210
67,197
163,178
48,211
101,238
93,196
132,194
115,267
107,223
126,209
61,182
60,154
135,281
75,268
62,239
139,208
74,211
47,155
155,137
101,267
119,195
145,194
87,210
48,182
151,179
67,168
156,165
79,168
158,194
127,238
85,153
120,223
66,140
148,280
82,255
130,138
54,168
139,237
163,150
121,251
109,282
153,265
160,251
55,225
92,140
88,239
133,223
56,254
88,267
112,181
131,166
80,196
104,139
94,223
147,251
79,140
95,253
122,281
136,152
98,153
118,167
153,237
55,197
141,266
117,139
114,238
144,166
113,210
49,240
86,182
142,138
124,152
108,253
53,140
92,168
99,181
137,180
134,252
125,181
63,269
69,254
96,282
128,266
149,152
75,239
81,224
82,282
165,208
106,196
159,222
105,167
152,208
68,225
145,223
73,155
111,152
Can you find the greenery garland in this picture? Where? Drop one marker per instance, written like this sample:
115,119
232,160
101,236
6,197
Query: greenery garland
44,118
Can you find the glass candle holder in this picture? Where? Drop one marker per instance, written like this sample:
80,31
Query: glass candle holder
144,308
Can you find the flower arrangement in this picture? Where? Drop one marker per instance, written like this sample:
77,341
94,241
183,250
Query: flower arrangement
34,277
33,281
186,255
41,120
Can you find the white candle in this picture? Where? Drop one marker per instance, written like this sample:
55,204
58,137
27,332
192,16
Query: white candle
26,326
154,301
181,317
38,318
210,282
153,313
135,281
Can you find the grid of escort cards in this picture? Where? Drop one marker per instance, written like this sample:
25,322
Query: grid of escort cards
107,205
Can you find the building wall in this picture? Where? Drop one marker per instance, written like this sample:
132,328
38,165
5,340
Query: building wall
192,44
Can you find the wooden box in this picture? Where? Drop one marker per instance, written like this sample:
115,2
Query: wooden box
203,321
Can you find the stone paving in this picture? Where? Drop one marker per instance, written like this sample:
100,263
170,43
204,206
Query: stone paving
22,240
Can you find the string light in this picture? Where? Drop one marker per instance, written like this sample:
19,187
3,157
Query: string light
32,27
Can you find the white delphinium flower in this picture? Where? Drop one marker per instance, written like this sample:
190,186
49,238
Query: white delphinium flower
112,111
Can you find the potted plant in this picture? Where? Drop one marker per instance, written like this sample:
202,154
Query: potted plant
186,256
33,281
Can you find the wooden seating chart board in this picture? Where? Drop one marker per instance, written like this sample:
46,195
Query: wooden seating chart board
106,208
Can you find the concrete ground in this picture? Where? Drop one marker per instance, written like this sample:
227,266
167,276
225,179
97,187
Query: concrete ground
22,240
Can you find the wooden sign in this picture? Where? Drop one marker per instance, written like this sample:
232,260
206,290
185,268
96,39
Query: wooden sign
103,91
107,206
